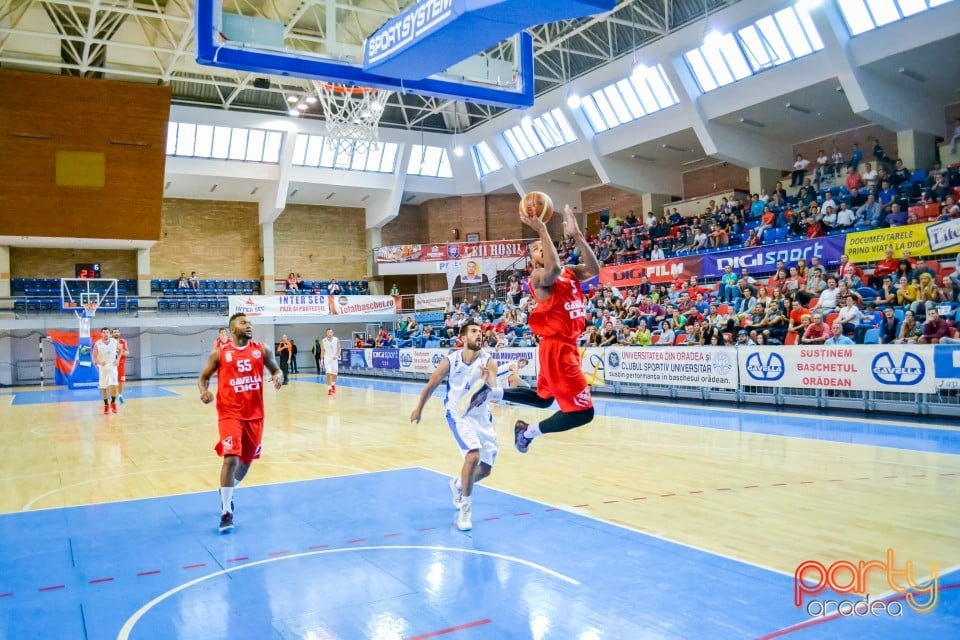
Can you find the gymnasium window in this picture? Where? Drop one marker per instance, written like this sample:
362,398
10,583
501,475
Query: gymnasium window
317,151
223,143
432,162
866,15
538,135
486,160
769,42
646,91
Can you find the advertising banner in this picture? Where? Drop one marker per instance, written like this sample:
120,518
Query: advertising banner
432,300
73,358
453,251
944,235
515,354
714,367
592,365
421,360
906,368
628,275
386,358
364,305
280,306
946,366
766,256
357,358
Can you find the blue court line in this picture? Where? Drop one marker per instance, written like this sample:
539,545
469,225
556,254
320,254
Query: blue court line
59,394
374,555
810,427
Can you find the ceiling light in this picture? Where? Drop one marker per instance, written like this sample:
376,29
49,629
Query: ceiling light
330,195
255,189
293,193
673,148
302,106
797,107
913,75
214,188
583,175
294,112
752,123
691,162
573,101
311,99
292,99
555,181
458,151
639,157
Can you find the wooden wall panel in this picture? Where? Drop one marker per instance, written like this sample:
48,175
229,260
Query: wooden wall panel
127,122
30,262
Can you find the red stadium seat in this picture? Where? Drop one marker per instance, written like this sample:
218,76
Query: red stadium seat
792,338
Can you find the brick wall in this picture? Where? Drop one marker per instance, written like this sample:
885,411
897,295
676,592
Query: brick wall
722,176
406,228
30,262
216,239
619,202
320,242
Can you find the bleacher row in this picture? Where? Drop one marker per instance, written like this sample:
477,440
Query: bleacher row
42,295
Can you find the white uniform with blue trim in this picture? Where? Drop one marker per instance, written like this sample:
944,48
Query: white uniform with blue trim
475,430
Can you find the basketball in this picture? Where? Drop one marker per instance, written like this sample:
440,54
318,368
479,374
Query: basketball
537,204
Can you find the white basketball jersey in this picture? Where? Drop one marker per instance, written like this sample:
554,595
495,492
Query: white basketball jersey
503,372
461,376
331,347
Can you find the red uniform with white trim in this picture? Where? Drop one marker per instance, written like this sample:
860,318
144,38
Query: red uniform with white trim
240,400
559,320
121,360
222,342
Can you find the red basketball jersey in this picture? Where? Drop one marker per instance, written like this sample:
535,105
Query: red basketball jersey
222,342
240,382
121,348
562,315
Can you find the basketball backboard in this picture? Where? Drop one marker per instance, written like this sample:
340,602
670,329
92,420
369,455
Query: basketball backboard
86,296
313,45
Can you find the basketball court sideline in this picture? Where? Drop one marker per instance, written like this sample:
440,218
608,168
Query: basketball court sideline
655,521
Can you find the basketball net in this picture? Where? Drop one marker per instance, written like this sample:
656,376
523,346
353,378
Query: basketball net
352,115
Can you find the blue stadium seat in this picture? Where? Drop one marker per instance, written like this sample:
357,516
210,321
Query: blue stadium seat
919,176
782,233
872,336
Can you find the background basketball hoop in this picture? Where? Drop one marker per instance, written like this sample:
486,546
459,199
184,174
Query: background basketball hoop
352,114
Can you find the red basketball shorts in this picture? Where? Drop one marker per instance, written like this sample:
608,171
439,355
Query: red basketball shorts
240,438
560,376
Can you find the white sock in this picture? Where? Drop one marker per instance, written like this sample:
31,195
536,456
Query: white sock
465,500
533,430
458,484
226,495
496,395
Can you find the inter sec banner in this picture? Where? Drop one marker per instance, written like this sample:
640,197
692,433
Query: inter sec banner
765,257
903,368
310,305
714,367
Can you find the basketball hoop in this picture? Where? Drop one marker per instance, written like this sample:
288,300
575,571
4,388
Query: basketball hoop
90,309
352,114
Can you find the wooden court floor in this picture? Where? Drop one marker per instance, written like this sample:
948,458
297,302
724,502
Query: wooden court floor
769,489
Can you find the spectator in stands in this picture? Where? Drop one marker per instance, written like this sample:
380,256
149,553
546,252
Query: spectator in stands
799,170
183,283
744,339
940,189
921,268
667,334
950,208
394,290
836,335
194,281
853,181
887,194
301,284
828,297
767,220
836,158
901,175
334,288
955,136
292,283
817,332
935,329
846,269
906,291
871,213
910,329
823,165
829,220
846,218
927,292
887,292
656,253
856,157
718,237
949,290
850,315
756,206
889,327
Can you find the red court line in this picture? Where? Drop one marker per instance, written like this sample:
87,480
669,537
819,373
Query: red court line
427,529
318,546
522,513
492,518
99,580
641,498
578,506
461,627
551,509
392,535
274,554
807,482
148,573
779,484
356,540
240,559
696,492
752,486
667,495
606,502
812,622
6,595
195,566
723,489
52,588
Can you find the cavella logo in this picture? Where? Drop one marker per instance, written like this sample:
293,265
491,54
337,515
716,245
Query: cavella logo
909,370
